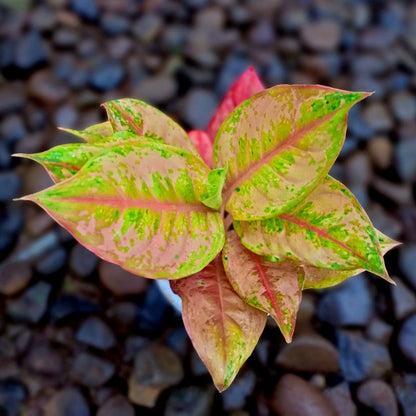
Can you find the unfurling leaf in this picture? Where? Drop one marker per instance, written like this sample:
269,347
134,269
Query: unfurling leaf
144,120
244,88
223,328
273,287
139,207
63,161
93,133
203,144
279,145
212,198
328,229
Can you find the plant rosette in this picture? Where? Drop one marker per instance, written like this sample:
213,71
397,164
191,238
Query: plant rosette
239,218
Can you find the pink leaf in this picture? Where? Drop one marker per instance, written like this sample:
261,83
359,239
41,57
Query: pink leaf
203,144
223,328
244,88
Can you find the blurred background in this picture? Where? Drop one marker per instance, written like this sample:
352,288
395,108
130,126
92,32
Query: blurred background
81,337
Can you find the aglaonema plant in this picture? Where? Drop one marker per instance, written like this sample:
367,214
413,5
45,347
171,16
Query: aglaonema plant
241,218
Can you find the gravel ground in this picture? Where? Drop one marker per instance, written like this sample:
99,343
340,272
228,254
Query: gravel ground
79,336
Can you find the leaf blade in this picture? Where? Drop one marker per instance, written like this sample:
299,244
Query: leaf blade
273,287
138,207
269,145
92,134
223,328
203,144
212,198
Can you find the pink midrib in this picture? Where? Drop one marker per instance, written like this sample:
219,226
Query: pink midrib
127,116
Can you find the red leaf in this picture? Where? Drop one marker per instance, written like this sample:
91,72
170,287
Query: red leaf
203,144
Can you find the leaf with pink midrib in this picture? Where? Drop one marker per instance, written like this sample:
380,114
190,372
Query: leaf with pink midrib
223,328
138,206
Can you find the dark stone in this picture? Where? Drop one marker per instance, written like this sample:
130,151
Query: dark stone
114,24
107,76
47,88
405,162
52,262
178,340
10,185
294,396
379,331
13,395
241,388
198,368
340,397
377,116
117,405
96,333
404,301
30,51
378,396
82,261
66,402
123,315
322,36
14,277
68,305
13,129
404,106
361,359
87,9
407,262
233,67
198,107
156,367
44,359
349,304
31,305
407,339
357,126
195,401
156,90
91,371
405,389
65,38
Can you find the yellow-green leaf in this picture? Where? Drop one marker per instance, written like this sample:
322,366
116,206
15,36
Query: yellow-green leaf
93,133
328,229
279,145
139,207
273,287
213,196
223,328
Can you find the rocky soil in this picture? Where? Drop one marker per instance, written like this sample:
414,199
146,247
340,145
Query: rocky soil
82,337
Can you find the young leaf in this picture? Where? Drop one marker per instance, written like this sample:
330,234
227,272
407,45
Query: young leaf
273,287
223,328
93,133
203,144
279,145
244,88
63,161
212,198
139,207
144,120
328,229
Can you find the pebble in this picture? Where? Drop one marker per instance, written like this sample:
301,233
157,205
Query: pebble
13,395
12,97
87,9
198,107
90,370
379,397
66,306
380,150
14,277
262,33
31,306
123,315
197,366
119,281
82,262
340,397
405,162
117,405
156,367
403,105
47,88
377,38
310,354
68,401
322,35
240,390
193,400
156,90
404,300
96,333
147,27
405,389
377,116
379,331
357,169
361,359
30,51
43,358
294,396
349,304
407,255
114,24
65,38
52,262
107,76
10,186
12,129
406,339
400,193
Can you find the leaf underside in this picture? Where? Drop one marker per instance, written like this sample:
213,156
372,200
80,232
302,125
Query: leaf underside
278,145
223,328
139,207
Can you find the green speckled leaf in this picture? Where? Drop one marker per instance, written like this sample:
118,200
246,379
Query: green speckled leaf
279,145
328,229
223,328
93,133
273,287
144,120
63,161
213,196
139,207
